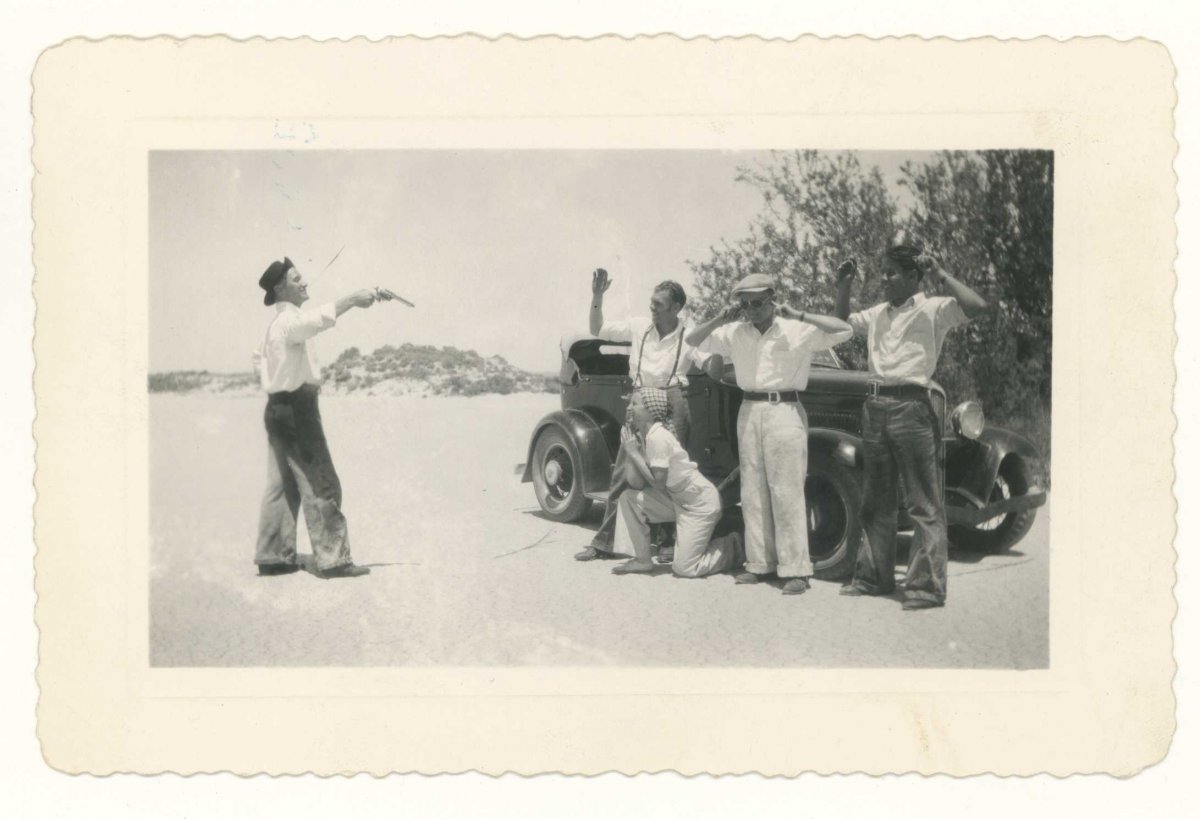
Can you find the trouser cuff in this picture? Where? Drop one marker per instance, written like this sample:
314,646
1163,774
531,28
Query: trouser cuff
871,588
760,568
796,570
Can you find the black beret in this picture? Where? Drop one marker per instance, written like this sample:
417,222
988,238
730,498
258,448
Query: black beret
273,276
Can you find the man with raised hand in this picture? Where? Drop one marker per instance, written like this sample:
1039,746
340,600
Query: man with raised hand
900,430
299,468
660,357
771,350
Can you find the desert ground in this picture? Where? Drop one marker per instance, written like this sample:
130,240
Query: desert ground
466,571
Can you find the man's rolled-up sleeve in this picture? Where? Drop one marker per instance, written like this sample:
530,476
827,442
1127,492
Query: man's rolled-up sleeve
718,342
301,326
658,451
826,341
859,322
950,313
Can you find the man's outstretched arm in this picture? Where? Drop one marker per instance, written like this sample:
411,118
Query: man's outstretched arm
359,298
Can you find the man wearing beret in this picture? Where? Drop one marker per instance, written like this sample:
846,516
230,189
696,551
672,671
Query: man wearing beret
772,352
900,431
299,468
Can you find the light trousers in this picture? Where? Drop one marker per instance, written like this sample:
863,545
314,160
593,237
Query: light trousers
695,507
773,456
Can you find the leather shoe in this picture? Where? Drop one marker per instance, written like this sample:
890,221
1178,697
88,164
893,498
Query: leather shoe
750,578
633,567
592,553
276,569
349,570
918,603
796,585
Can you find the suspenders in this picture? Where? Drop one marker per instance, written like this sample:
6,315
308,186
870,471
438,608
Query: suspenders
637,378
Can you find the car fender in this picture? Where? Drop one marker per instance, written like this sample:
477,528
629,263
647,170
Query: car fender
589,440
972,466
844,446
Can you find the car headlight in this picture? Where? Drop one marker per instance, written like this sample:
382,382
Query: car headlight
967,420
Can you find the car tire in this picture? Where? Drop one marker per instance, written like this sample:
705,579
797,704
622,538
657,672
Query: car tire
833,495
1002,532
558,476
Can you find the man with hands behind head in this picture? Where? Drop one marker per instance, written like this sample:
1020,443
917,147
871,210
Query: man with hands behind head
299,467
771,350
900,431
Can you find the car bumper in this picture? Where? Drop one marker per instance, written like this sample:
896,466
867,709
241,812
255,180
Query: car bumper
964,516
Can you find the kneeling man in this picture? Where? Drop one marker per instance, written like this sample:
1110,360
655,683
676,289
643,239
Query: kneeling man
671,489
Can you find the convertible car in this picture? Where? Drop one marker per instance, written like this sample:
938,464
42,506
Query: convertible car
991,495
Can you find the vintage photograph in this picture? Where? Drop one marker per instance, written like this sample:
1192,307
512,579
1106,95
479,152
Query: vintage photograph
627,408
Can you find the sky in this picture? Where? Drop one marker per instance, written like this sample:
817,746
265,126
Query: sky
495,248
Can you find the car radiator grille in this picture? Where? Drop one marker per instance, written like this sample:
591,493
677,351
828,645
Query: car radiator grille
848,421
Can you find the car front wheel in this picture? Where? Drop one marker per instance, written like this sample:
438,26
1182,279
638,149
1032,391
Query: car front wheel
558,476
834,502
1001,533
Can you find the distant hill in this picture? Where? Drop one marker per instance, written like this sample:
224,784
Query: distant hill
409,369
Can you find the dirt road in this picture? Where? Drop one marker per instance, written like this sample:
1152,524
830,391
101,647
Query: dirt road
466,573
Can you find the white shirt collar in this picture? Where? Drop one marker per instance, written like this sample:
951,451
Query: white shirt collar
678,329
912,301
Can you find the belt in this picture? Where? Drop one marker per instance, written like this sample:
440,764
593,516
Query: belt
771,397
303,392
878,390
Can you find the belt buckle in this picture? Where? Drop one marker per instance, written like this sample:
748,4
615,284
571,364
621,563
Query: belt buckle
873,389
773,397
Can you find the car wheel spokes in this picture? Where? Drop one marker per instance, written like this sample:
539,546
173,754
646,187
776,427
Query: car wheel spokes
560,477
1000,492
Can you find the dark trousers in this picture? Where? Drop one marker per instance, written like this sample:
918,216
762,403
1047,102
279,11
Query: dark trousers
682,420
300,472
900,442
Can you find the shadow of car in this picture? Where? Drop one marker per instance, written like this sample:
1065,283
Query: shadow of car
991,495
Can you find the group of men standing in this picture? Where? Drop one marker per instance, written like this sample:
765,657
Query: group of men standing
771,346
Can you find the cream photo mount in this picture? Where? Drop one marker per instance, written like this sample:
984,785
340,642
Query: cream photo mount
1104,108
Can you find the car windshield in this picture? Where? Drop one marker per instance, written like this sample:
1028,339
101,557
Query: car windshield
827,358
597,357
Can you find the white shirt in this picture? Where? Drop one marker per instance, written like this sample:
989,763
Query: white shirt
778,359
903,343
657,356
664,452
286,360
